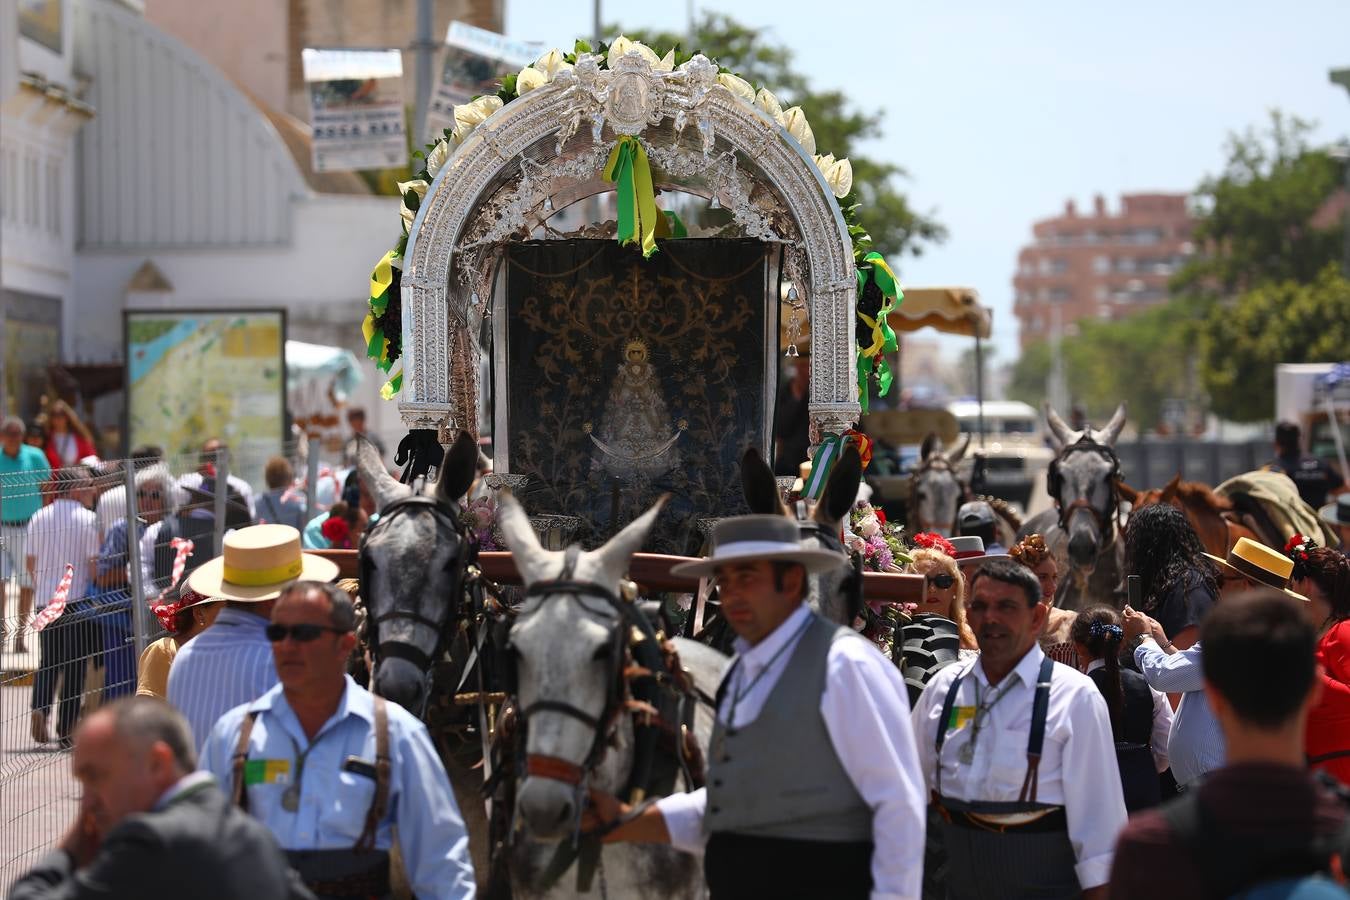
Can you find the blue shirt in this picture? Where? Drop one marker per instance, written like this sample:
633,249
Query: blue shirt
227,664
21,480
333,801
1196,745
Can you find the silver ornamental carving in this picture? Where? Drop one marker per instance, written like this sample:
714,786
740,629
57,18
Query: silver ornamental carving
486,195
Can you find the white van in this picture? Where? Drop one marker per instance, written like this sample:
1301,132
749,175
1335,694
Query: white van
1014,446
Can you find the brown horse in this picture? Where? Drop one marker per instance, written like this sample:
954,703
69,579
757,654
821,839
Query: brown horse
1214,519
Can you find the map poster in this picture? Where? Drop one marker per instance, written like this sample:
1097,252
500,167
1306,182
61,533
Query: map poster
356,109
473,61
196,374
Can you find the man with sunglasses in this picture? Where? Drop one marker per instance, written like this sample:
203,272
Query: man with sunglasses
1018,753
332,769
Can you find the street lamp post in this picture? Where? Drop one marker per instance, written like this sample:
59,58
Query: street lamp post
1342,77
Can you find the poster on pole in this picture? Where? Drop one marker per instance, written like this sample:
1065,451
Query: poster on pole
473,61
194,374
356,109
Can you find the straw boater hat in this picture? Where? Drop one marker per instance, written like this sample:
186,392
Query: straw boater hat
1337,513
259,563
752,538
1260,563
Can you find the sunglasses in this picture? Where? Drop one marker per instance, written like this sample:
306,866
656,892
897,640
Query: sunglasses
301,634
942,581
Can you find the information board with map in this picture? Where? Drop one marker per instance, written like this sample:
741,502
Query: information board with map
196,374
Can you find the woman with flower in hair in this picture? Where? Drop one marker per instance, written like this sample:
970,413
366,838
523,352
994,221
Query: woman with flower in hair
1033,553
1323,576
1141,718
946,586
183,619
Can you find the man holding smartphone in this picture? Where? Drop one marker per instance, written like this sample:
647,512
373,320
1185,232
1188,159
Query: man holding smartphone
331,769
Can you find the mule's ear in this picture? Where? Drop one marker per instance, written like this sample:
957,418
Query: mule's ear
458,469
1109,434
531,558
1060,434
384,487
841,490
759,485
930,443
955,456
614,555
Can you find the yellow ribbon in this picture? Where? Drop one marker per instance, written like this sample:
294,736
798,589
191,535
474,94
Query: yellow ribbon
368,332
383,276
631,172
260,577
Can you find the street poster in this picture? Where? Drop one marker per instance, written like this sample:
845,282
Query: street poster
356,109
196,374
473,61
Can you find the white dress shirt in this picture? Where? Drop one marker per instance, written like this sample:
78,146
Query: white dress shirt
63,531
1078,751
865,706
1196,745
1162,720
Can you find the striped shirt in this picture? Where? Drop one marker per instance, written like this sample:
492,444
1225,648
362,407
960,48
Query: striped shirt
227,665
59,533
1196,745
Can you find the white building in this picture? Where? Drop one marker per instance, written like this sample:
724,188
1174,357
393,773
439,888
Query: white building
182,191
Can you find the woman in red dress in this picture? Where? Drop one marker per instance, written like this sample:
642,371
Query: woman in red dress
68,441
1323,576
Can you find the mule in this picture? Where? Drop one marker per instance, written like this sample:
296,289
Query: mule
570,646
837,593
936,492
1215,520
412,567
1083,529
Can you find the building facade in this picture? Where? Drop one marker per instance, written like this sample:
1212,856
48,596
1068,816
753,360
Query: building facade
1102,265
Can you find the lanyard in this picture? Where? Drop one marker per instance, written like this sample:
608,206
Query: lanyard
740,693
290,800
982,711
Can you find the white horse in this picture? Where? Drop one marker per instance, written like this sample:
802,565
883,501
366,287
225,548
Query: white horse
576,732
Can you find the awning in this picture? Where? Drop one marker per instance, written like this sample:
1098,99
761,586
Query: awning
951,310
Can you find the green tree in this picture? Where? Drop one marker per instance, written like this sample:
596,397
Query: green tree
1255,218
1275,323
896,227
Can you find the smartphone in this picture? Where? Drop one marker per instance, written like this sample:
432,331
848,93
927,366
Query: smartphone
1132,592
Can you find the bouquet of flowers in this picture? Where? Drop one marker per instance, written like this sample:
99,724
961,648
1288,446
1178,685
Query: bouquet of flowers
880,544
479,518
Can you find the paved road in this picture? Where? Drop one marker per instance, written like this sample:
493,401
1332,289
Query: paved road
38,795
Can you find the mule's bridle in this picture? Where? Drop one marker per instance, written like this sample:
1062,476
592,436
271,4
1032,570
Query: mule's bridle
457,566
1105,518
940,463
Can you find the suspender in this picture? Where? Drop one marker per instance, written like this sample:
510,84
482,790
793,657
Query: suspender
1040,707
379,803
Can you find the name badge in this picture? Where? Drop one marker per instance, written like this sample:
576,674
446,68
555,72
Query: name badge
961,715
267,771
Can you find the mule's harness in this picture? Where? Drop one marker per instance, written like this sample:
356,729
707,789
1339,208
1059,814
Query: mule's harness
645,679
1106,519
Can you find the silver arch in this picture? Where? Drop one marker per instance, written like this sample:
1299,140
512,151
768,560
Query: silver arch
500,182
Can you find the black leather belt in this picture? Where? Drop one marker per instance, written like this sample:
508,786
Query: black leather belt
15,524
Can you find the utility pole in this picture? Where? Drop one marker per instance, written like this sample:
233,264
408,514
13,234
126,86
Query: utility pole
424,46
1342,77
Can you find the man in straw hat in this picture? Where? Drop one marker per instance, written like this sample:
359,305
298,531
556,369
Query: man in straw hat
813,787
231,662
1195,745
332,769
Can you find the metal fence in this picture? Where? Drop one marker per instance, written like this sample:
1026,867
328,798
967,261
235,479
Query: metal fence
1152,463
84,554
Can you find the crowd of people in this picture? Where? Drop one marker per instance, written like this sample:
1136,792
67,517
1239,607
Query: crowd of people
1202,732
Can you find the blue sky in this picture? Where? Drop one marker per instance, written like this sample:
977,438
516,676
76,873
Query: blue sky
1000,112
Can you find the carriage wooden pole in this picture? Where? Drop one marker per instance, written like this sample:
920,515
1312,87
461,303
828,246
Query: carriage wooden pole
652,571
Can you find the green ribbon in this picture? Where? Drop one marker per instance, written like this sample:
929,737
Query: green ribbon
392,386
630,172
873,357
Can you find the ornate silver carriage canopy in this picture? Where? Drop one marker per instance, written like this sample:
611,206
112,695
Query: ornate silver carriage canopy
624,354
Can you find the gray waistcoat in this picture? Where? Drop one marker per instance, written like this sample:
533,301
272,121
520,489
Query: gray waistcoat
779,776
